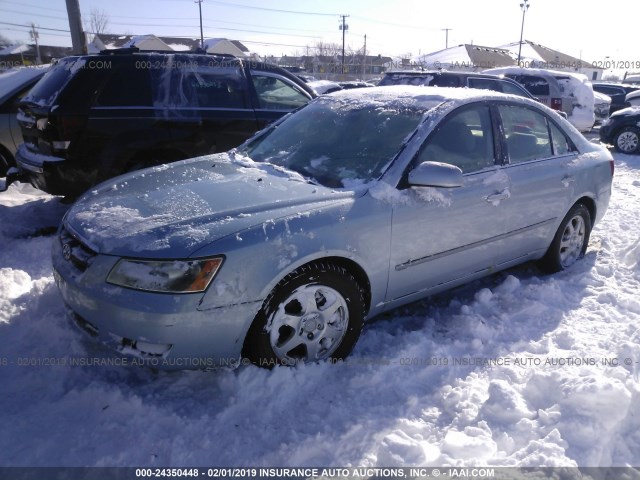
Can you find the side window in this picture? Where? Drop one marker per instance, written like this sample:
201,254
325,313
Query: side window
445,80
213,87
126,87
464,139
561,145
484,84
275,94
534,85
526,133
512,89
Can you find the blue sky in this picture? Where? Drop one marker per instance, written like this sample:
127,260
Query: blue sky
393,28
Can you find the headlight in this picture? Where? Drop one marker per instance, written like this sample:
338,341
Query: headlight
166,276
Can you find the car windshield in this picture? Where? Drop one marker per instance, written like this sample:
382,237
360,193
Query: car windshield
337,143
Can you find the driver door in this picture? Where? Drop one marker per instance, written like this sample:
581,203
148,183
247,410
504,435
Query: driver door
447,236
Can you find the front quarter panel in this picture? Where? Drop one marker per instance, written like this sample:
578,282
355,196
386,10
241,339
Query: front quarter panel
257,258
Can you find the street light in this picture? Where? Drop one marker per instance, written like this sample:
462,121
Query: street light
524,6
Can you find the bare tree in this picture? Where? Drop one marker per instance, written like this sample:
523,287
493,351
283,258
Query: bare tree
98,21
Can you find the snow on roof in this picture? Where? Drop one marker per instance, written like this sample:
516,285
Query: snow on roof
180,47
466,56
14,49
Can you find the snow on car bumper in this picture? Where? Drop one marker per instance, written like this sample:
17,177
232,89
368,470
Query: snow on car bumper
164,331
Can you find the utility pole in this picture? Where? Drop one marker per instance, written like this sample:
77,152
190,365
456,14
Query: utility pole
446,37
199,2
524,6
34,36
364,57
344,27
75,27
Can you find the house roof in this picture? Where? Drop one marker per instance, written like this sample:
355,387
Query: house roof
46,51
546,57
467,56
178,44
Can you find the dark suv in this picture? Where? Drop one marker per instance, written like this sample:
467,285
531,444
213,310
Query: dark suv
617,92
455,79
96,116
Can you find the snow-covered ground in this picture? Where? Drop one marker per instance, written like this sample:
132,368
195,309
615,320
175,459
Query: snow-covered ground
518,369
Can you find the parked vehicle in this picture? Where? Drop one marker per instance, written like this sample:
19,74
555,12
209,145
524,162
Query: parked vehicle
571,93
96,116
438,78
322,87
633,98
617,92
280,249
601,106
14,84
622,130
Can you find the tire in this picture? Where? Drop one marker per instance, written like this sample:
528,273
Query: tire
570,241
314,314
627,140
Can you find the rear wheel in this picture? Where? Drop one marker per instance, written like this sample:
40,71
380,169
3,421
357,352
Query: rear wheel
315,313
570,241
627,140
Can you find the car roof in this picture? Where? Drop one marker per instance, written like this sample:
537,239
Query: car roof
419,73
14,80
412,95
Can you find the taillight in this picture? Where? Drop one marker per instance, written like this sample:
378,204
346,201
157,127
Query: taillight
556,103
613,167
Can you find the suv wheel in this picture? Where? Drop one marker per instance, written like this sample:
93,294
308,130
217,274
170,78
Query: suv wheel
627,140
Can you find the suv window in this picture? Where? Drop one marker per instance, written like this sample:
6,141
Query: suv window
127,86
446,81
526,133
214,88
465,140
275,94
508,87
535,85
46,90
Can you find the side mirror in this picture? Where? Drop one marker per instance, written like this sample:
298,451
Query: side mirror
436,174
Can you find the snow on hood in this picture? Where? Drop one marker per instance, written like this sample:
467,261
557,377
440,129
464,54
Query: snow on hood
176,209
633,110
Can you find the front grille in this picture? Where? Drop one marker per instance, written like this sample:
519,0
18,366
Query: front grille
75,251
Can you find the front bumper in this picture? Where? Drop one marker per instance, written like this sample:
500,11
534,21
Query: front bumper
164,331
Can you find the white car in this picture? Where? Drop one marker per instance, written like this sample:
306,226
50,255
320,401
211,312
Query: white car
569,92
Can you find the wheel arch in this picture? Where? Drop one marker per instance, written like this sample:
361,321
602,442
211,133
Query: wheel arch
590,204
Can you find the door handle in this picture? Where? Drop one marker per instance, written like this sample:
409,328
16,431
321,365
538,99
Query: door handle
498,197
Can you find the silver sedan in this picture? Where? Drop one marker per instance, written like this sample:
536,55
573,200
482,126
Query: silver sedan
278,251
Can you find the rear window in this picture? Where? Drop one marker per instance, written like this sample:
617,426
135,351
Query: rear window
47,89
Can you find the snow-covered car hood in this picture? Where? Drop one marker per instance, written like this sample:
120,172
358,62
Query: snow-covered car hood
172,210
625,112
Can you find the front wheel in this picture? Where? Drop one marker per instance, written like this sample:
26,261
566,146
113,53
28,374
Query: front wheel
627,140
315,313
570,241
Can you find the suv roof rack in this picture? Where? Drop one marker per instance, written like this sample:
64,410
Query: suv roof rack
119,51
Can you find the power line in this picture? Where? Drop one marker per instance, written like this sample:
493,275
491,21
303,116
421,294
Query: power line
28,26
252,7
32,14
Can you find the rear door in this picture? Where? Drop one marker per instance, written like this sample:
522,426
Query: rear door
539,158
